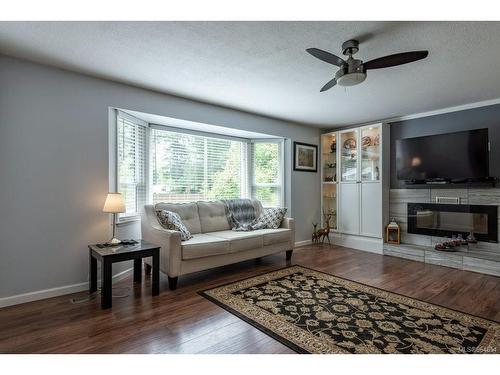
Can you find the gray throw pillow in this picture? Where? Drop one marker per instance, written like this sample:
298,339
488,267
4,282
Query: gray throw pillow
270,218
171,220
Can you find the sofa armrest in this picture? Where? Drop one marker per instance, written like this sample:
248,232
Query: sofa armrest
289,223
170,252
169,240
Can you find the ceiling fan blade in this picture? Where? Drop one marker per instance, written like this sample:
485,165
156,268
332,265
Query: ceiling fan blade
396,59
329,85
326,56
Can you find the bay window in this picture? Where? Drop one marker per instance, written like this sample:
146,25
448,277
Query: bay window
157,163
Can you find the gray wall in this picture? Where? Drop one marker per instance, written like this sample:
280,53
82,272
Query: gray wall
477,118
54,167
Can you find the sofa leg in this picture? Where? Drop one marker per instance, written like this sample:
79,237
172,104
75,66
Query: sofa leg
172,283
147,269
289,254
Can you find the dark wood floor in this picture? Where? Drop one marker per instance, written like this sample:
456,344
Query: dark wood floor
181,321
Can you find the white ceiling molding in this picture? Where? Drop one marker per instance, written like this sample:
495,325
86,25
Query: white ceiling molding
458,108
463,107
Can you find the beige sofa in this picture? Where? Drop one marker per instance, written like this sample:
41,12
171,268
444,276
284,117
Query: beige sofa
213,244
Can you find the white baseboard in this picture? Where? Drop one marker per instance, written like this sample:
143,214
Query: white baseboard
53,292
303,243
370,244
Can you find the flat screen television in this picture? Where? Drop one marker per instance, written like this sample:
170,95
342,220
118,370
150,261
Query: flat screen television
453,157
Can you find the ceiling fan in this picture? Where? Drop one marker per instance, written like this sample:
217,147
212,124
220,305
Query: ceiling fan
353,71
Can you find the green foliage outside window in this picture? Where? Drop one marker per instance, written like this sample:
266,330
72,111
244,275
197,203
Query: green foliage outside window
266,160
188,168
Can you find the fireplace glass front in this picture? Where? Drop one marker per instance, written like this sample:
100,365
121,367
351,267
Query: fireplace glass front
445,220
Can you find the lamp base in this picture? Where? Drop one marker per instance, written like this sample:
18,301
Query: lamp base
114,241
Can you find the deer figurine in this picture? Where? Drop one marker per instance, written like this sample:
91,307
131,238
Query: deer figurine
325,232
315,237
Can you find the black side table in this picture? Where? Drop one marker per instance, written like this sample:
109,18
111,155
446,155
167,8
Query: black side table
110,255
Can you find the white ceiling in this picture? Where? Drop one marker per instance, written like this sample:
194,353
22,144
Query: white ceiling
262,67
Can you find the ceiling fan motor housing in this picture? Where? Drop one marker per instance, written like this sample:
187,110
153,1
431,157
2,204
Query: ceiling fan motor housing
351,73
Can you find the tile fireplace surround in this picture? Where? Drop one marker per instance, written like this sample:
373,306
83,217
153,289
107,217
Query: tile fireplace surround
482,257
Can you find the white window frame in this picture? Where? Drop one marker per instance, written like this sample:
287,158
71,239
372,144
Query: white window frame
245,169
247,172
132,216
281,169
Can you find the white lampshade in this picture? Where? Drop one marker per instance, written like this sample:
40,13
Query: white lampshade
114,203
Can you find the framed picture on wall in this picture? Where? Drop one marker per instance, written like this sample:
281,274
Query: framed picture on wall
305,157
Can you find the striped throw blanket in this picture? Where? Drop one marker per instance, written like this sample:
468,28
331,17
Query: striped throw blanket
241,214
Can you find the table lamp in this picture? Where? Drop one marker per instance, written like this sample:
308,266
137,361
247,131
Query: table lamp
114,204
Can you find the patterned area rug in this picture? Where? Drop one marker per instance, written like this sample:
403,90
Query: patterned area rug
314,312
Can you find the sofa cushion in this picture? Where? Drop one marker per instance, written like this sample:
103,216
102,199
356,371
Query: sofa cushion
188,212
213,216
240,241
274,236
202,245
271,218
171,220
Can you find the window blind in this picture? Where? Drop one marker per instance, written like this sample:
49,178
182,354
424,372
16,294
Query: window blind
188,168
131,164
266,168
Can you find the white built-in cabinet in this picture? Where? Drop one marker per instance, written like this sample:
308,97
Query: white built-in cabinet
352,180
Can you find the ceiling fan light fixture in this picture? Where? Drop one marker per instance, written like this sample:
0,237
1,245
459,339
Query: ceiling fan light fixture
351,79
352,71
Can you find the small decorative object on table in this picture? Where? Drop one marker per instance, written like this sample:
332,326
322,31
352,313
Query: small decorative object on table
393,232
123,242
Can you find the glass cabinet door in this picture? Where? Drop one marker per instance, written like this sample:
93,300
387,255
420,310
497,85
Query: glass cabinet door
370,153
348,156
330,205
329,157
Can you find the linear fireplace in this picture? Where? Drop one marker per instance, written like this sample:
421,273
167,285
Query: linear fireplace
446,220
